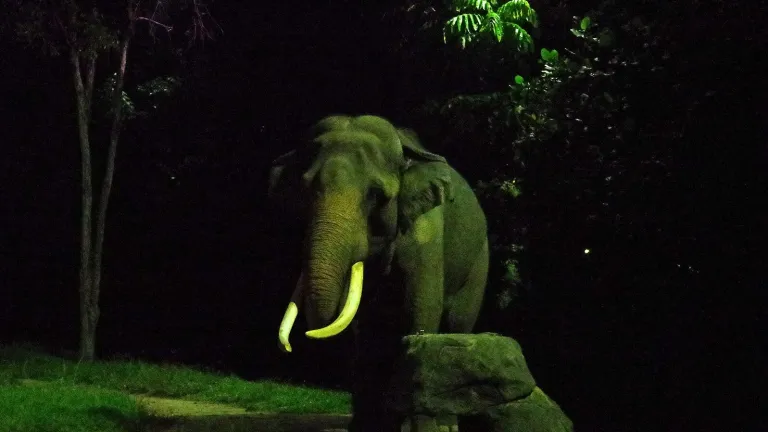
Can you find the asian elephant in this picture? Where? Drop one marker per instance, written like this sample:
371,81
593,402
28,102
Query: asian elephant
371,195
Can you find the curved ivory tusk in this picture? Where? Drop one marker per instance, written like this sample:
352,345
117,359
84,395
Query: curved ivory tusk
350,306
290,316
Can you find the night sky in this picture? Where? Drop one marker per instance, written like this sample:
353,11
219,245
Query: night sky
198,271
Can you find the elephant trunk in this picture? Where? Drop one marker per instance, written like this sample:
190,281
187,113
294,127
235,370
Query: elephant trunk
337,239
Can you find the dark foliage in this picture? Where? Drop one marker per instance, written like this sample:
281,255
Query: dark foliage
648,154
638,142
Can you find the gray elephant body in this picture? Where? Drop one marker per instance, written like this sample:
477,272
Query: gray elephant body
370,192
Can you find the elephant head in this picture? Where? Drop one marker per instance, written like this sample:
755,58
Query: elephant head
357,182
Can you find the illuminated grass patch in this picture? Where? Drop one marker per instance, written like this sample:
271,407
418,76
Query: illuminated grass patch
64,408
134,377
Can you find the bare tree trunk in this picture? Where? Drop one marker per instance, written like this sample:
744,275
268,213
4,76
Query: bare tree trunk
89,308
109,173
92,235
92,245
92,238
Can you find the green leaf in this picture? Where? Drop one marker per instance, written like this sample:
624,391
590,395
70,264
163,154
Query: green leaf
585,22
518,11
519,80
493,21
464,27
521,37
549,56
465,5
512,273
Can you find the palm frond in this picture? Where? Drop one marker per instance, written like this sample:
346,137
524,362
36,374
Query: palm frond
473,5
522,38
519,11
472,23
464,27
494,24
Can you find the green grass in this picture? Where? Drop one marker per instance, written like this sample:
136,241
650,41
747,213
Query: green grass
92,396
64,408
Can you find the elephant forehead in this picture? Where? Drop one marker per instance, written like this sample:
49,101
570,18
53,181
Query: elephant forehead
369,141
374,124
363,148
332,169
347,138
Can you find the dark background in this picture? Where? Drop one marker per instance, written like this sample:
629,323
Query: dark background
198,271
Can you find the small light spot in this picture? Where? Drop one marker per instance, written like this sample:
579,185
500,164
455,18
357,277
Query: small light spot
586,251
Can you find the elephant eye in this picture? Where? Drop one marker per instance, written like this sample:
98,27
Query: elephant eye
377,198
375,195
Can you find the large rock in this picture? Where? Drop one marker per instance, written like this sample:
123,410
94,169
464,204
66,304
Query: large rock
459,374
534,413
480,376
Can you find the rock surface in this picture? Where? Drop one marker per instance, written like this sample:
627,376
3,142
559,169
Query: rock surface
460,373
483,377
535,413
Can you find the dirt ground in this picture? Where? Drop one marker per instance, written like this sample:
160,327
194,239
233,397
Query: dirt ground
250,423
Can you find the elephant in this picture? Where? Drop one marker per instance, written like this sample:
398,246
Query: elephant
369,194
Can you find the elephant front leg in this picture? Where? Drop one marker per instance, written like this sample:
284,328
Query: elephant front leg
420,255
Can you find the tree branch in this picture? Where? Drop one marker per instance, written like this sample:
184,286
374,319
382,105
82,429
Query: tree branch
65,33
91,71
199,30
153,22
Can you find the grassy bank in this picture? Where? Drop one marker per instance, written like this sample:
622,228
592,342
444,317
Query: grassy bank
65,408
94,397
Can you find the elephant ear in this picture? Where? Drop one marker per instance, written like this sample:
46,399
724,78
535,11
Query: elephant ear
426,182
276,170
285,191
413,150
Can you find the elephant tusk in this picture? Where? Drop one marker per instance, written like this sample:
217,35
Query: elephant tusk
350,306
290,316
286,325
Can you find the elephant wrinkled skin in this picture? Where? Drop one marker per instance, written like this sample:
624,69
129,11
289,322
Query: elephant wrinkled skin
371,195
